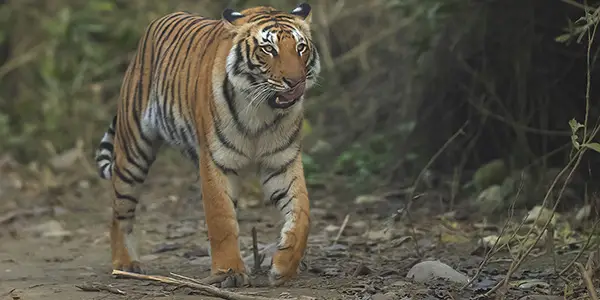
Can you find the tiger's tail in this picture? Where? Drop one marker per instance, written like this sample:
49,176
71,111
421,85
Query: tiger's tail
105,151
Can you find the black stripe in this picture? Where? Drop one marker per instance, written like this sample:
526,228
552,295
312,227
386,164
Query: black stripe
283,167
293,137
103,157
223,168
123,177
102,169
226,142
137,179
126,197
279,194
129,156
229,95
249,51
221,136
107,146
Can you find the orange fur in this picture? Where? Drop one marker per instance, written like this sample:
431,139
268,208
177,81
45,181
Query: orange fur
229,94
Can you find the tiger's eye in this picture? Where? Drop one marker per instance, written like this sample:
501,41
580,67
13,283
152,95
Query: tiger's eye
268,49
301,48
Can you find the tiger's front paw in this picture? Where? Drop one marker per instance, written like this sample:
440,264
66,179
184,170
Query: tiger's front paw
286,265
128,266
228,279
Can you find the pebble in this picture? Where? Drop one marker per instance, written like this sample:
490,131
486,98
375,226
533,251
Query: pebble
429,270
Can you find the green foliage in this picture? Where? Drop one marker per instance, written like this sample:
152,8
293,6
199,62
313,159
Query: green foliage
67,58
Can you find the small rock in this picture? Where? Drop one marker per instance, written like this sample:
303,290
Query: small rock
50,229
197,252
533,283
381,235
544,215
583,213
361,270
367,199
332,229
84,184
166,247
359,225
428,270
386,296
149,257
490,199
490,174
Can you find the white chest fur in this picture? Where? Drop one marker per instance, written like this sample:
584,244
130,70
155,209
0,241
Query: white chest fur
246,134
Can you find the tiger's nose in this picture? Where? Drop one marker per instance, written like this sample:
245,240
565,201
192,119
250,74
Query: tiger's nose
292,82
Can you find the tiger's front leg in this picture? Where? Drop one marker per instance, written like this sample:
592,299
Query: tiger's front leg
218,188
286,189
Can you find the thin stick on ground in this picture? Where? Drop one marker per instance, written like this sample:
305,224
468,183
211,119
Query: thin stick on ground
412,196
493,250
208,289
583,249
587,278
573,163
339,234
97,287
258,258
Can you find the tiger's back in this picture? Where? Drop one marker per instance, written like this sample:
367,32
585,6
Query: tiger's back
163,82
228,93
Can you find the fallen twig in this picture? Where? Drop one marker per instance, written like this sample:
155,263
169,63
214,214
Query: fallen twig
98,287
344,223
266,250
258,258
495,248
194,284
588,280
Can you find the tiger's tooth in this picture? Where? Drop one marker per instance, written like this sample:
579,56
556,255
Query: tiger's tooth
277,100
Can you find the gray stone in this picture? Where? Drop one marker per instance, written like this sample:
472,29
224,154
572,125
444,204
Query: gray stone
429,270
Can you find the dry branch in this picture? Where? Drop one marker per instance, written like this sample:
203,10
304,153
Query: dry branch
97,287
258,258
344,224
587,278
208,289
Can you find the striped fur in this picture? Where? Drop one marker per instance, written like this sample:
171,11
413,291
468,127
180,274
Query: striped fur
229,94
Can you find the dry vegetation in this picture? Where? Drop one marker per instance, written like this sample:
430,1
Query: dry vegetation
454,114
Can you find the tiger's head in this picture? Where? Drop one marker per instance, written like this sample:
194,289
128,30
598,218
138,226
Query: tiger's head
273,57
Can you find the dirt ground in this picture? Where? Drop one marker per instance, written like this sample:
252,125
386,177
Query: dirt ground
53,240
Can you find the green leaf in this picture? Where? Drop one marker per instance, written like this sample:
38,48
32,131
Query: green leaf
575,125
563,38
574,141
593,146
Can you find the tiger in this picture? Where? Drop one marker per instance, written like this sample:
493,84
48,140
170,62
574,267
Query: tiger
228,93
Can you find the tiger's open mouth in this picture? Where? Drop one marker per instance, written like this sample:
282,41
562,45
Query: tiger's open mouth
287,98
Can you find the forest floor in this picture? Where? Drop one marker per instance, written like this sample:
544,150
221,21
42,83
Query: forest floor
54,238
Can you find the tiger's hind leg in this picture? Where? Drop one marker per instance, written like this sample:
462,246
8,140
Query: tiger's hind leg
131,165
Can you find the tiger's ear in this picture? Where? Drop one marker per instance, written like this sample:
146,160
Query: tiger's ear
231,15
302,11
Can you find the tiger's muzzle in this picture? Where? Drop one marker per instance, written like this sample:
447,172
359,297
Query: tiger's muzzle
285,99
